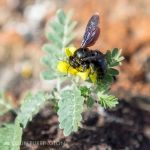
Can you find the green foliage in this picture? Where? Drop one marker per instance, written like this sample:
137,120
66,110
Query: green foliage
106,100
69,96
31,105
114,57
90,101
86,93
4,105
61,35
10,137
13,132
70,109
10,134
69,102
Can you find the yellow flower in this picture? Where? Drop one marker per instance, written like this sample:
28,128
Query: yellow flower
70,51
64,67
84,75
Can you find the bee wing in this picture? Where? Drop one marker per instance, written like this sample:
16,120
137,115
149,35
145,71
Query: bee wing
92,32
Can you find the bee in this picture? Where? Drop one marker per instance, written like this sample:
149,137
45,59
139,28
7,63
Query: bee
85,58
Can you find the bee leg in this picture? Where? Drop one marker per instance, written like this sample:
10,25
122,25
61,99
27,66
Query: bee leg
84,67
92,68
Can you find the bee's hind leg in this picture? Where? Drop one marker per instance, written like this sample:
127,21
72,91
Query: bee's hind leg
92,68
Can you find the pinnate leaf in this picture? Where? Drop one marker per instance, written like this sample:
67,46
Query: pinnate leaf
114,57
60,36
31,105
10,137
107,101
70,109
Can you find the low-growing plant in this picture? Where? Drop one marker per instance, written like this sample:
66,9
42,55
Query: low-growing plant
74,89
83,88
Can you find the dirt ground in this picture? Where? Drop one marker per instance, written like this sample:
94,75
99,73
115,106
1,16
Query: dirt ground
124,24
125,127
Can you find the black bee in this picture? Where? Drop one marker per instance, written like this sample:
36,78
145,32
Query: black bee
84,58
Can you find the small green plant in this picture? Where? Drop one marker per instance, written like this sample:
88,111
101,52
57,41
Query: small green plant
83,88
73,90
13,132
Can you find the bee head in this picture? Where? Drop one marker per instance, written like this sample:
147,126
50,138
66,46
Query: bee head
81,53
73,61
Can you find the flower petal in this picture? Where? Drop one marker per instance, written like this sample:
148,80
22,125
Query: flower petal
70,51
63,66
84,75
72,71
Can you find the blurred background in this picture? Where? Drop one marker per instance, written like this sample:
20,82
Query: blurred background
124,24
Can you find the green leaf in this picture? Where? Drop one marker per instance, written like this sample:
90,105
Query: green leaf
49,75
60,35
10,137
57,28
121,58
85,91
106,100
90,102
115,52
4,105
46,60
71,27
107,81
50,48
55,38
114,57
69,39
113,71
62,30
108,56
114,63
61,16
70,109
31,105
50,61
